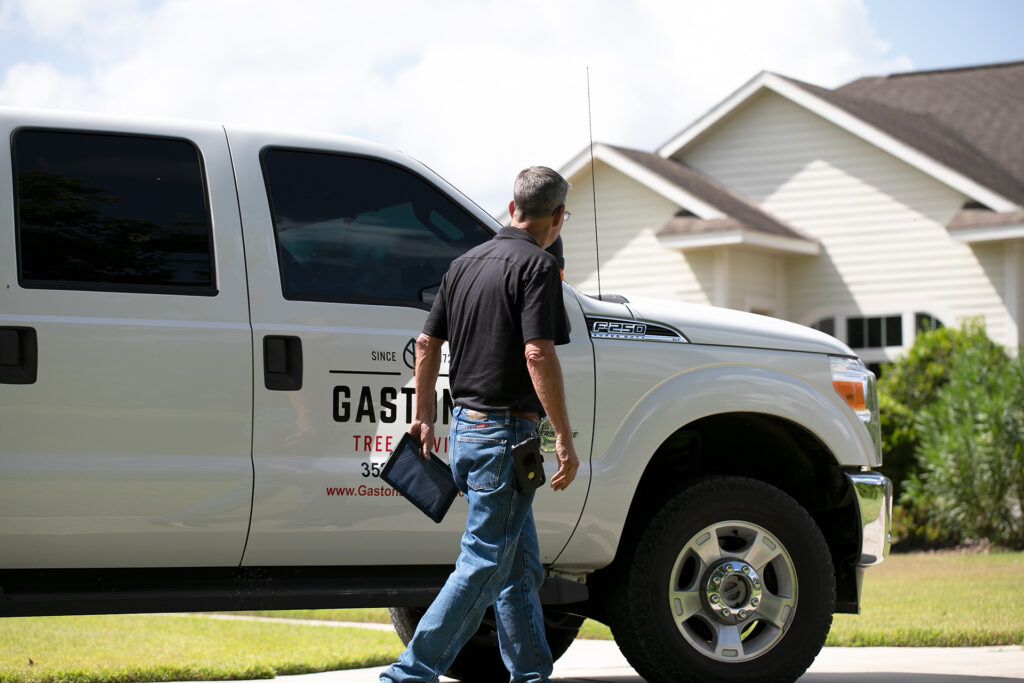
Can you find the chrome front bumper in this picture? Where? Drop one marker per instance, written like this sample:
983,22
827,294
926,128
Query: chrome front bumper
874,502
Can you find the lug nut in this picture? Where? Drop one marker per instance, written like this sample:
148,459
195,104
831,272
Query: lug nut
725,612
755,602
746,569
717,580
714,598
757,583
743,614
729,569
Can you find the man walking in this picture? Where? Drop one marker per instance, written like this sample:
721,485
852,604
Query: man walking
500,309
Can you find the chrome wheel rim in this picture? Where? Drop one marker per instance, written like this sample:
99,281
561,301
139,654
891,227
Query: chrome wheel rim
733,591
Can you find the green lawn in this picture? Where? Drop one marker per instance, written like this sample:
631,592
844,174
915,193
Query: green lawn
159,647
938,600
911,600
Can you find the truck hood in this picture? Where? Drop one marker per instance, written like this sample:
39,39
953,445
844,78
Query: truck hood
716,326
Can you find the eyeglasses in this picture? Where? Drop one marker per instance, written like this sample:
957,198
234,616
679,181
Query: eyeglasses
565,214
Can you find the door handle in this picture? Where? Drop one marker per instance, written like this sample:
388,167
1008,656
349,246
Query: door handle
19,355
282,363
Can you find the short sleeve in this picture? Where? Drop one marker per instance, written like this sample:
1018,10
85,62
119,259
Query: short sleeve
437,320
543,312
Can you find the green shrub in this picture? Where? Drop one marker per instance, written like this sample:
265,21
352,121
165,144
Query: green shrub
911,383
970,455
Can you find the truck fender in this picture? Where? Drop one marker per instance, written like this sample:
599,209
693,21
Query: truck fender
681,400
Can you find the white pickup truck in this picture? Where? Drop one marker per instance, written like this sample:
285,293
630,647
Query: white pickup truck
206,356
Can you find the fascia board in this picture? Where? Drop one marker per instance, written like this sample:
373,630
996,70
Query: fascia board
645,177
576,164
989,234
742,238
713,116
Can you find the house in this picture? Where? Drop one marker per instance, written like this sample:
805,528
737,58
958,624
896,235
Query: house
867,211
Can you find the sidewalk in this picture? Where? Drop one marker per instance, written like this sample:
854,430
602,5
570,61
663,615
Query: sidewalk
599,661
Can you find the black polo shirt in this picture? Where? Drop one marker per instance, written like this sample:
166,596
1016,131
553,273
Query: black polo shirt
493,299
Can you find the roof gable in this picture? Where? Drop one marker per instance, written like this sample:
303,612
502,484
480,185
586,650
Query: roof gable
712,214
916,138
983,105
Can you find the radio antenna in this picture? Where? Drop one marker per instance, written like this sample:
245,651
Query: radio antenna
593,186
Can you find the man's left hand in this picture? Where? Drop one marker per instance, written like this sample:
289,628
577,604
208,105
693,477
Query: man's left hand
424,431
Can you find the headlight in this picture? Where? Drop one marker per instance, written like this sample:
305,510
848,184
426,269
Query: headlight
856,384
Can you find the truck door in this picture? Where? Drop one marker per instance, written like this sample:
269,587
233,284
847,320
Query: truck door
125,348
346,248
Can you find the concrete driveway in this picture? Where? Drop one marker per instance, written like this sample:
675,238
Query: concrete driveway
599,661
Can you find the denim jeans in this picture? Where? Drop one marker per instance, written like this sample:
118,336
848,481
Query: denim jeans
499,562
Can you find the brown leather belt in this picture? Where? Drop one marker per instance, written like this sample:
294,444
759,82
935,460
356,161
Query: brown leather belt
526,416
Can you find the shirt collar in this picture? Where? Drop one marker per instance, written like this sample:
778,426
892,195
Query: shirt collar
508,232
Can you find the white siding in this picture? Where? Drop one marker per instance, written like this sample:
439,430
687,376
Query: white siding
881,222
756,279
632,261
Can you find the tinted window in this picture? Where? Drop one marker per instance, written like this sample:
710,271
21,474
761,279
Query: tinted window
111,212
361,230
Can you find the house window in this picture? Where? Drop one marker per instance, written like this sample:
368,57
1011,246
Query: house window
926,323
877,339
826,325
874,332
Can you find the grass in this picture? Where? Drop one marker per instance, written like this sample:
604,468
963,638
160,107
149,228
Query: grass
937,600
910,600
364,615
160,647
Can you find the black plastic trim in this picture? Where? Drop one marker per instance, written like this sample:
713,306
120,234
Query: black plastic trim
45,592
282,363
19,355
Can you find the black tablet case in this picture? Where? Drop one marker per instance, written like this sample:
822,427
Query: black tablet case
427,484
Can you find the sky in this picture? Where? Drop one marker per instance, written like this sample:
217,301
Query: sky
475,89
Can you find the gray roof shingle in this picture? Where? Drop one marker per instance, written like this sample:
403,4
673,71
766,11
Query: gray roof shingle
983,105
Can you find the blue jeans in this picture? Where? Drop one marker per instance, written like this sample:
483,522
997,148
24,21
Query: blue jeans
499,563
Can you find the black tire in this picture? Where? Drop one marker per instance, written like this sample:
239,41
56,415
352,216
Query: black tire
480,660
753,605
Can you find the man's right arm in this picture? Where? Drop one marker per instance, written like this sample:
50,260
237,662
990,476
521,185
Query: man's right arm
546,373
428,365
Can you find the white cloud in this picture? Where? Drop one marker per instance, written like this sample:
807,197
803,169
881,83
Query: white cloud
474,88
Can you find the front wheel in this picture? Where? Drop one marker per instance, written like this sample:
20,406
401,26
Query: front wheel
730,581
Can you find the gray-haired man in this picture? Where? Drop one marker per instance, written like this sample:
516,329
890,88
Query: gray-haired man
500,309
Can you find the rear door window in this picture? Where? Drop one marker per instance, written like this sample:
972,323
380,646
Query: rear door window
110,212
